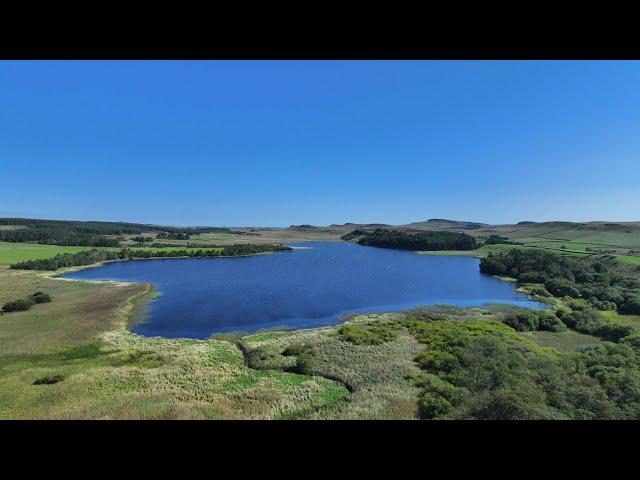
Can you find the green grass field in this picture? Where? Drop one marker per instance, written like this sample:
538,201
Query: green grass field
19,252
564,238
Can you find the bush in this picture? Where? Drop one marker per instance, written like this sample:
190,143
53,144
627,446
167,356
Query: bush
522,321
296,349
561,287
431,406
633,339
631,306
40,297
601,304
529,321
49,380
305,364
549,322
614,332
438,361
21,305
431,383
367,334
584,321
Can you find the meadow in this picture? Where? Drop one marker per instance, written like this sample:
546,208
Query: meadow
619,240
19,252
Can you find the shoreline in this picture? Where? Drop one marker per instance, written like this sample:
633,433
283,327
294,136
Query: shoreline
143,299
55,274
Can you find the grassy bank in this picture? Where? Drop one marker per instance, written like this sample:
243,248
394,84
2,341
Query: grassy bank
104,371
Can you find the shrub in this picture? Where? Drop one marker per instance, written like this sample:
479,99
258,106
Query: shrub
549,322
40,297
21,305
522,321
367,334
305,363
631,306
561,287
601,304
296,349
49,380
614,332
584,321
528,321
431,383
438,361
431,406
633,339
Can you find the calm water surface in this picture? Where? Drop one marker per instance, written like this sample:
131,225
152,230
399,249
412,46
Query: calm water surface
305,288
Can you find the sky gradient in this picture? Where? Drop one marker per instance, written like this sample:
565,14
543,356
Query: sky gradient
277,143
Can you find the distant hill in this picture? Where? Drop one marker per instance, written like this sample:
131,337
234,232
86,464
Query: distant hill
443,223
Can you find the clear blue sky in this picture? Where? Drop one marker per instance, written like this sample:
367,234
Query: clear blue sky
280,143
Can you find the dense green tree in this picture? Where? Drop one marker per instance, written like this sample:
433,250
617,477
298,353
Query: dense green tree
385,238
561,287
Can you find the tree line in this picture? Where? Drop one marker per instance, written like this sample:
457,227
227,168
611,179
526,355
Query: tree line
90,257
603,282
395,239
90,234
56,236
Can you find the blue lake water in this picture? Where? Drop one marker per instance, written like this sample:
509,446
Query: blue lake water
305,288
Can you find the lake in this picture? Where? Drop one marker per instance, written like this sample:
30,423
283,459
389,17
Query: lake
307,287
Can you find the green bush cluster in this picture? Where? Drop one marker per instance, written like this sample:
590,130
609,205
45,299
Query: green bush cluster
374,334
306,363
531,320
603,281
561,287
51,380
483,370
24,304
601,304
20,305
590,321
296,349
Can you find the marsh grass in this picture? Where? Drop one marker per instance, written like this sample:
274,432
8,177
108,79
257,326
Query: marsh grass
109,372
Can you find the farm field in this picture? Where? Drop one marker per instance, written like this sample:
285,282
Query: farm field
19,252
620,240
